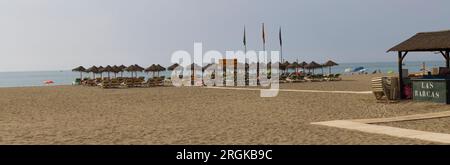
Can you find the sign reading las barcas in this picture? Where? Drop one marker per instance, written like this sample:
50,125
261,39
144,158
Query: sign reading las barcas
433,90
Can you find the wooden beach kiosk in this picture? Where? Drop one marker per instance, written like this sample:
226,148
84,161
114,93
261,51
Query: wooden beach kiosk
429,87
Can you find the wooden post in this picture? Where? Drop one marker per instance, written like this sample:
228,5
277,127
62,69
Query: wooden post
447,59
400,73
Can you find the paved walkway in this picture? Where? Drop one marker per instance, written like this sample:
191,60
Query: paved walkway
405,118
392,131
366,125
295,90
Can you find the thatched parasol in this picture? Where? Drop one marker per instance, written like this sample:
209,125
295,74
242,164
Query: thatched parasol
137,69
172,67
80,69
206,66
283,66
152,68
330,64
302,65
130,69
100,71
116,69
160,69
122,69
313,65
108,69
92,70
294,65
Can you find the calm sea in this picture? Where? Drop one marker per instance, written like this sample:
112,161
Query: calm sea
37,78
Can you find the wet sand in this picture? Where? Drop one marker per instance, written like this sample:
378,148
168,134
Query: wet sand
195,115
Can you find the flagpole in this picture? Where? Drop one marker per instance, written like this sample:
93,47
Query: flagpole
264,50
245,58
281,47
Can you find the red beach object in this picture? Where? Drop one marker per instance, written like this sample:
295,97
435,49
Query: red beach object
48,82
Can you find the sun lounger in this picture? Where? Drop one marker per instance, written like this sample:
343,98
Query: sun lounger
385,88
90,82
336,77
106,83
153,82
128,82
115,83
139,82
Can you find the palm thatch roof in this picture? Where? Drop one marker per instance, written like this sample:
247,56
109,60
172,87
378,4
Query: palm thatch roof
425,41
172,67
108,68
116,69
207,66
92,69
293,65
100,69
160,68
130,68
303,64
313,65
330,63
138,68
79,69
151,68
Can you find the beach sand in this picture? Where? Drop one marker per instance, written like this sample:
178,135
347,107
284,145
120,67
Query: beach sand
195,115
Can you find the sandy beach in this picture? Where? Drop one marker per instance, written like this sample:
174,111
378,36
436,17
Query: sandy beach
195,115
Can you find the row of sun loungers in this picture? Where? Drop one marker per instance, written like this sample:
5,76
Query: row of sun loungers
313,78
123,82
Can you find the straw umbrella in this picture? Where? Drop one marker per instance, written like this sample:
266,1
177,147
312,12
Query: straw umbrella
100,70
294,65
115,70
108,69
138,69
302,65
92,69
330,64
122,69
152,68
172,67
160,69
206,67
80,69
313,65
130,69
283,66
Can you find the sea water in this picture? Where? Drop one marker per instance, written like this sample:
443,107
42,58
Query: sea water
37,78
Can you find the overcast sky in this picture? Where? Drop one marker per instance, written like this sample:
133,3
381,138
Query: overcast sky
62,34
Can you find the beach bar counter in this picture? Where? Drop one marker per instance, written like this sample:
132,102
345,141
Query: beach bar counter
432,88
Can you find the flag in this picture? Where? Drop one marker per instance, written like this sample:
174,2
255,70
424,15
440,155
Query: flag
281,41
263,34
245,40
